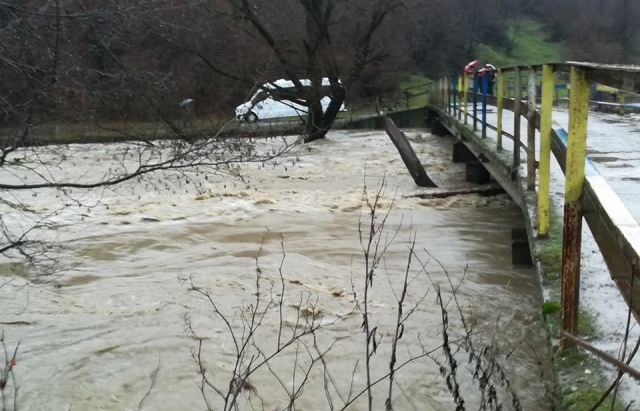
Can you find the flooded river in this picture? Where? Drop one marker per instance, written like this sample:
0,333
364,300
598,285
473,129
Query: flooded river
92,338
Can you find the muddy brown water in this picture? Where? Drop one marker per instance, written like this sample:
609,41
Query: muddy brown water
92,338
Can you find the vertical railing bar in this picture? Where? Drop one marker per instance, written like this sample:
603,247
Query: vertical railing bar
454,84
466,98
517,89
485,90
573,212
531,131
546,110
500,106
475,101
460,86
448,90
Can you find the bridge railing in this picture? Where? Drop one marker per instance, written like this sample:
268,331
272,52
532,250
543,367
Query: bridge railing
587,194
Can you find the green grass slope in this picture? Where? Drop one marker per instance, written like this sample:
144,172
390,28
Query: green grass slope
531,46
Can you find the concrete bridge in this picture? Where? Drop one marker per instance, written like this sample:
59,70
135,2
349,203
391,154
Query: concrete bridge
521,141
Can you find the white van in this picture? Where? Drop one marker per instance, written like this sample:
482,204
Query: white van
264,106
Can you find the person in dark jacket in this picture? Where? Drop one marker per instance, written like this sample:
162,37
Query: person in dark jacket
489,71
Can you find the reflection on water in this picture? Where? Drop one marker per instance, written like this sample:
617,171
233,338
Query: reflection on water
94,337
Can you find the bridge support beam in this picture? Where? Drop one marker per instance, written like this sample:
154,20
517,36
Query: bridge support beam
573,212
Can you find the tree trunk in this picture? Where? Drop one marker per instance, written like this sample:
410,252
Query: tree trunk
339,95
314,129
323,121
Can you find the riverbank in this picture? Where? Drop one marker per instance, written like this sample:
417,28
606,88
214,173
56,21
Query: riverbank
149,132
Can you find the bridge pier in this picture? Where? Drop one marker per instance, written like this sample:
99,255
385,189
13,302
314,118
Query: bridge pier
477,173
520,250
462,154
437,129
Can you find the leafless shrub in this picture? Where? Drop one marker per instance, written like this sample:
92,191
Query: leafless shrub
8,384
457,355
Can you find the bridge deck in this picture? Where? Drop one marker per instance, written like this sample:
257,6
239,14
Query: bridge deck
613,146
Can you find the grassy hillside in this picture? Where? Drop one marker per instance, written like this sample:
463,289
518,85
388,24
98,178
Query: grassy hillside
530,46
416,86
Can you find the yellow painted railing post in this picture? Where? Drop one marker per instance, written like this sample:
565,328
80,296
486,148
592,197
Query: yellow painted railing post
546,109
466,98
572,241
500,106
622,100
531,130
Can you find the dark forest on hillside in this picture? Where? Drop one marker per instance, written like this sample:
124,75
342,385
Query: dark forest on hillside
130,59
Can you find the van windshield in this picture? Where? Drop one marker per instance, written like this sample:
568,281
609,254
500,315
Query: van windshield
260,96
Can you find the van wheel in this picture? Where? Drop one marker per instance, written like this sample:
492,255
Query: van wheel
251,118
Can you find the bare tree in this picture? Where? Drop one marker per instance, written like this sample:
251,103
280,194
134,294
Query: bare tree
54,90
321,39
515,29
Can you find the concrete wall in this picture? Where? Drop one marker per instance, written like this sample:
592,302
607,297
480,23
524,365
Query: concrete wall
413,118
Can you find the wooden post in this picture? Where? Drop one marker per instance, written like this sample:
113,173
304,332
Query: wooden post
572,242
546,110
622,101
466,99
517,90
531,131
500,106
